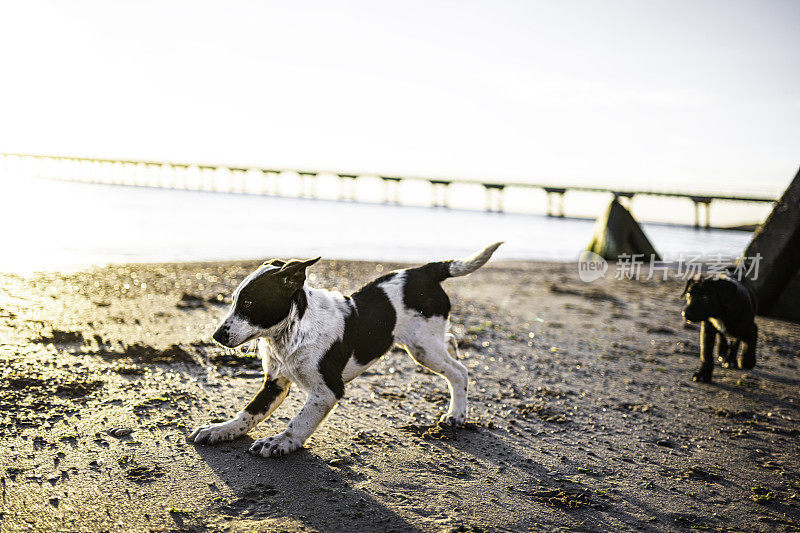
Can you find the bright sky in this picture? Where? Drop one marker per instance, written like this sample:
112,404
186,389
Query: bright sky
670,95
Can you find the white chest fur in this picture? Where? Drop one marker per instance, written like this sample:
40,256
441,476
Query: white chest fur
305,340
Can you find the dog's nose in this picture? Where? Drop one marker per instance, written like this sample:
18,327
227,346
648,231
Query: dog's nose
221,335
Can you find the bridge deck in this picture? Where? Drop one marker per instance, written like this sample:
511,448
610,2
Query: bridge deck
551,189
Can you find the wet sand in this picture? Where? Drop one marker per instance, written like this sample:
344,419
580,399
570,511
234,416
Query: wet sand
582,409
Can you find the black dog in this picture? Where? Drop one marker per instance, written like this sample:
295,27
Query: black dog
725,307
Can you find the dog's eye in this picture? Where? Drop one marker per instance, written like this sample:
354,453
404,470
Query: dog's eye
246,304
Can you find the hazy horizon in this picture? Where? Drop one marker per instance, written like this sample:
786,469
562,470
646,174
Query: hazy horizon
652,95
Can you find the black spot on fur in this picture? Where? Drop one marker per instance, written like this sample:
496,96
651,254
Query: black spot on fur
367,335
439,270
331,366
301,302
422,291
269,391
369,329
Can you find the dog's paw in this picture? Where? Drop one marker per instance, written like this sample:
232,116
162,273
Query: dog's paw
702,377
275,446
456,421
746,363
212,433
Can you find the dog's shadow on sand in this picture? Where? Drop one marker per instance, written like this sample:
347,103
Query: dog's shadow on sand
302,489
297,489
550,495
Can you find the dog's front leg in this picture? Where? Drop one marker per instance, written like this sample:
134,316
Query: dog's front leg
319,403
272,393
722,349
708,334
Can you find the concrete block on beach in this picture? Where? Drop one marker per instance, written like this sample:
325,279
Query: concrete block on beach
617,232
777,241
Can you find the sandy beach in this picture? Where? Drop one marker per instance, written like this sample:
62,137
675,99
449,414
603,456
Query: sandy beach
583,415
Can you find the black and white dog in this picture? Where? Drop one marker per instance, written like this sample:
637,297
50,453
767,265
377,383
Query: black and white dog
320,340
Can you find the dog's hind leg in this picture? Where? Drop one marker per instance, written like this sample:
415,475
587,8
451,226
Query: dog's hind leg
272,393
438,357
748,358
452,345
730,357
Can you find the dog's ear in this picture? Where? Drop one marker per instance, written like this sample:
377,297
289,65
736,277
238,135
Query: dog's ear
295,271
295,265
689,284
274,262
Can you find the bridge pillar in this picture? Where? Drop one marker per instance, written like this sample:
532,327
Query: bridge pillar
164,174
555,198
706,201
276,183
171,175
206,177
184,177
94,171
308,184
146,175
627,195
391,190
143,175
347,187
266,177
100,172
439,190
154,177
113,172
238,180
494,197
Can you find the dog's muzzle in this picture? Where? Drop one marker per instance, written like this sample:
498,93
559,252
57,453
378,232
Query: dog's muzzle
222,336
689,317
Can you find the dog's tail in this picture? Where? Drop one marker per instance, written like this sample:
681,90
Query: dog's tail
461,267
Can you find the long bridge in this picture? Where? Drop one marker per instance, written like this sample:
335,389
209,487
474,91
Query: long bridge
265,181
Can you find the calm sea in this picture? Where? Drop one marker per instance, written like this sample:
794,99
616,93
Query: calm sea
50,224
